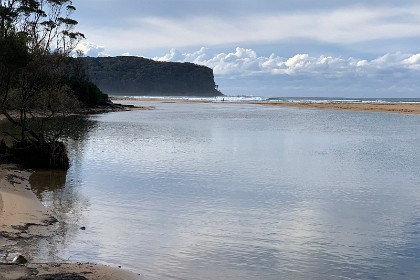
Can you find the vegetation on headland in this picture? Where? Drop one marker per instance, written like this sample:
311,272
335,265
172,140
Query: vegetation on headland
129,75
39,81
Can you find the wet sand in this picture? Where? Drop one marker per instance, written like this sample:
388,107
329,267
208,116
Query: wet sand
23,216
403,108
76,271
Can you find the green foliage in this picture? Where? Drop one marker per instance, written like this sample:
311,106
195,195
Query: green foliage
87,92
67,21
52,154
36,38
47,24
14,51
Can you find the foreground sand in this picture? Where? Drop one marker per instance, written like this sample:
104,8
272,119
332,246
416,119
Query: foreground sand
63,271
22,216
404,108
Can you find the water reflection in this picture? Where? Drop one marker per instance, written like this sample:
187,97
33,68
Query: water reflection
59,193
243,192
45,180
64,200
236,192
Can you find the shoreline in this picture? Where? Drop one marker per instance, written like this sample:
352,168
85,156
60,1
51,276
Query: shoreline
24,217
113,107
401,108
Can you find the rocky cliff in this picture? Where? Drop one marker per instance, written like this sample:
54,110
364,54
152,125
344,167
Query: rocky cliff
127,75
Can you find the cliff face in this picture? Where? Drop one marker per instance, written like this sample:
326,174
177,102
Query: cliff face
140,76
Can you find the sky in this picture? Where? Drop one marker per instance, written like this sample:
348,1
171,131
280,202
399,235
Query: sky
340,48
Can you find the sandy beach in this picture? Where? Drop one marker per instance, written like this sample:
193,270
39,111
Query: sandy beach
23,216
403,108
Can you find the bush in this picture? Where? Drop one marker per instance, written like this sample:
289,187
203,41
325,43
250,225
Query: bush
87,92
48,155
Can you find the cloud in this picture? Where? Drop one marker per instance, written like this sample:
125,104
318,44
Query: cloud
246,62
90,49
413,62
173,55
363,46
341,25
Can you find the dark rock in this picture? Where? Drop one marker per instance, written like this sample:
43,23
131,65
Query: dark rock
60,276
20,260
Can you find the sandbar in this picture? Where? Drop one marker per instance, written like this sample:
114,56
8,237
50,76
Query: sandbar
402,108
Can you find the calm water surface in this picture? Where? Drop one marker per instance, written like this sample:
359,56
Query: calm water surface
223,191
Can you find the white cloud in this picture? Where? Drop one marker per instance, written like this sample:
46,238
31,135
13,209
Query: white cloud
173,55
413,62
90,49
414,59
390,59
246,62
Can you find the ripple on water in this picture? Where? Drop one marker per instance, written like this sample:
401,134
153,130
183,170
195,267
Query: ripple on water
204,192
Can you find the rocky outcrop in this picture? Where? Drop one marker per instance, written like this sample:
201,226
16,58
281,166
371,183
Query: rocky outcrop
124,75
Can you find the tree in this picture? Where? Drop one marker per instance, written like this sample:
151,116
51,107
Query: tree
46,24
36,39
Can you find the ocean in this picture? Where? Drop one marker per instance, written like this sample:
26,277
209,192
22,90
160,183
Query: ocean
239,191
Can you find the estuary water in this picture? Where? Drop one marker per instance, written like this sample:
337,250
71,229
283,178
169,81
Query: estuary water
239,191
